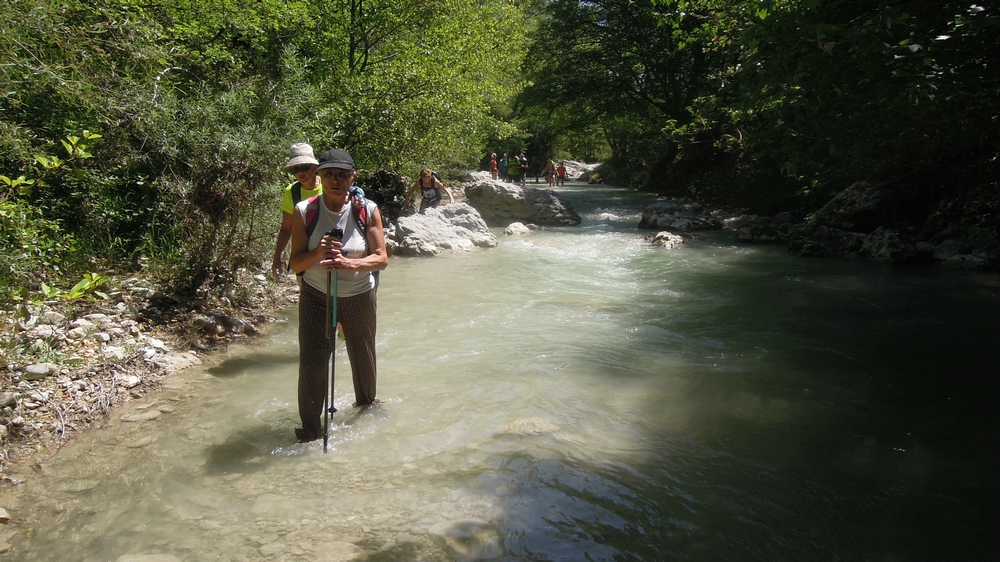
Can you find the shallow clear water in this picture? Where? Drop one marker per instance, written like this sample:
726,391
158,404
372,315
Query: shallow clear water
577,395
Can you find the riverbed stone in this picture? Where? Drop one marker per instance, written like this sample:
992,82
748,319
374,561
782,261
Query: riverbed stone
173,362
887,245
147,558
7,399
859,208
76,334
529,426
516,229
79,486
114,352
39,371
338,551
81,323
667,240
52,317
98,318
468,539
4,516
145,416
272,550
678,216
965,261
131,381
141,442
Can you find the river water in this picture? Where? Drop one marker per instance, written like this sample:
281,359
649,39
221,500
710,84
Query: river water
574,394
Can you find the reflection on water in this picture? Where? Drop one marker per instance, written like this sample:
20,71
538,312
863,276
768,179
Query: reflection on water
573,394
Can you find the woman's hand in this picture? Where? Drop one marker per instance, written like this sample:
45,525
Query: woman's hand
329,248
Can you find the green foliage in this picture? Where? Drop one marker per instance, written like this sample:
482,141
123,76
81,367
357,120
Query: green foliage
198,102
775,103
32,247
84,287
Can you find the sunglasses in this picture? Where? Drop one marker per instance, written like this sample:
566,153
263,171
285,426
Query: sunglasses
300,168
338,174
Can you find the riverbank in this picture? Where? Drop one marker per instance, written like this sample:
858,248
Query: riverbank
68,363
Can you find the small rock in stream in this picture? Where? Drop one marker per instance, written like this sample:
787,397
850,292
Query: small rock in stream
145,416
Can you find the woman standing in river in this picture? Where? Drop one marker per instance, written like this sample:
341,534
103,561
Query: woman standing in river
353,258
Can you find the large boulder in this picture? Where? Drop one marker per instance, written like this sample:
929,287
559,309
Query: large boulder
887,245
502,203
862,207
450,228
673,216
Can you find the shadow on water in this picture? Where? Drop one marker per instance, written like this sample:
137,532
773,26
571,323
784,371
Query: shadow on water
248,451
237,366
253,449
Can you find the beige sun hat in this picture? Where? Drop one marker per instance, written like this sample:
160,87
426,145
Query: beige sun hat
300,153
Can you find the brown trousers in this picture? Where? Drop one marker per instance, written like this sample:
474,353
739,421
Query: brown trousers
357,315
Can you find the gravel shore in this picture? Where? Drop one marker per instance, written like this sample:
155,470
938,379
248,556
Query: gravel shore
66,364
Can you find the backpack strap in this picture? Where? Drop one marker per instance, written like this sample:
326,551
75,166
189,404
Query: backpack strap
359,207
312,214
296,193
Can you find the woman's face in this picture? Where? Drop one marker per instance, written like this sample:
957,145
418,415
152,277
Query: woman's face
305,173
336,181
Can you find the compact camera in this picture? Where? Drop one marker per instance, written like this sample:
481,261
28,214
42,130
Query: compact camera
337,233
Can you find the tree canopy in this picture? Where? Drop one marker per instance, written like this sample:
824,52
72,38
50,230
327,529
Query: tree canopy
770,103
153,134
195,103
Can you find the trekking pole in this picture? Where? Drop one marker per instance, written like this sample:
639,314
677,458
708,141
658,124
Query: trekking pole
331,343
326,390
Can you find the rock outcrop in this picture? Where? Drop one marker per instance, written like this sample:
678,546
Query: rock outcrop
676,216
450,228
502,203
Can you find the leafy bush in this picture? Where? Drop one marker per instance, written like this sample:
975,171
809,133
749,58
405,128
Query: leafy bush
32,248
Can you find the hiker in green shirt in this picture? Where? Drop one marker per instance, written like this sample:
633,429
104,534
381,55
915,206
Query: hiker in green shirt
513,168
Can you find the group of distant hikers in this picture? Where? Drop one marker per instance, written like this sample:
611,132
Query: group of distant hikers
337,251
516,169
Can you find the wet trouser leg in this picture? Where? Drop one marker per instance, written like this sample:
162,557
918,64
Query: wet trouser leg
358,316
313,359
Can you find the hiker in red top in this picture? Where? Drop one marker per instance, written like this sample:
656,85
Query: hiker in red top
494,167
354,258
561,174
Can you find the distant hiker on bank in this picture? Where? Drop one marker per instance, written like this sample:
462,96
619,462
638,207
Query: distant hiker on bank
513,168
503,167
354,259
561,173
430,186
494,167
524,167
301,164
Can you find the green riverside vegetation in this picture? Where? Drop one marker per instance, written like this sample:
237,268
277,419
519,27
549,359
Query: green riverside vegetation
152,135
186,110
777,104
